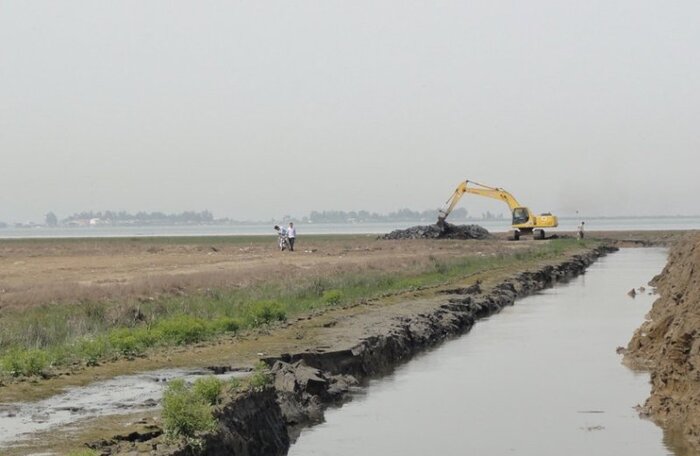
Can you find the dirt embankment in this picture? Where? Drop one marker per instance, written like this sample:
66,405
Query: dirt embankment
668,344
266,422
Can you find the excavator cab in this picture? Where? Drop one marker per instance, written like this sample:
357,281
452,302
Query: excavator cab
520,215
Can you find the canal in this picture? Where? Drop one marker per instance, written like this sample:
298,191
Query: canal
540,378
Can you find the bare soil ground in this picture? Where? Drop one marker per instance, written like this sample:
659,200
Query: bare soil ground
34,272
39,272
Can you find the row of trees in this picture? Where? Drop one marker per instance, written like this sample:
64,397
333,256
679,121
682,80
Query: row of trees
207,217
123,217
402,215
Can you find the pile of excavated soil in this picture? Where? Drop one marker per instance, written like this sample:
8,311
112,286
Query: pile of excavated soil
668,343
435,232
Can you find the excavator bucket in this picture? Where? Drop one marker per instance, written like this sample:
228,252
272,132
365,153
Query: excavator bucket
441,221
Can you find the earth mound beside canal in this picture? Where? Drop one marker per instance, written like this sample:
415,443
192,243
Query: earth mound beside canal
668,343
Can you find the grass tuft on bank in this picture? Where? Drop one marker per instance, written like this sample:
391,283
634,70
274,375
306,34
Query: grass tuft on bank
36,340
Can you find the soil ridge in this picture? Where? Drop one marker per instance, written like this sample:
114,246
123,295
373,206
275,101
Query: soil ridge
668,344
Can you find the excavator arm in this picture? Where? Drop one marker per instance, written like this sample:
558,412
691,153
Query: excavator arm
476,189
523,222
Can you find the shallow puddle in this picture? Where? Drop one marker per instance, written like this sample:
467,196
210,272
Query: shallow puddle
540,378
120,395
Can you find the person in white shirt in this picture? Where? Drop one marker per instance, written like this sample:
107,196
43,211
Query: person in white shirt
580,230
291,234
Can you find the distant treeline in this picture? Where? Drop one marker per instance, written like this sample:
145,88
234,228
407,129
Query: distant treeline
146,218
402,215
206,217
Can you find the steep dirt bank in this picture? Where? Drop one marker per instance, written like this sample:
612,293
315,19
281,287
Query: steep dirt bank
306,382
668,344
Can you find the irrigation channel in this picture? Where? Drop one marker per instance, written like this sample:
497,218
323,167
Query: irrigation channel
540,378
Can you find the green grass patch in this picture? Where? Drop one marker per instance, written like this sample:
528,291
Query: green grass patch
332,297
265,312
208,388
186,413
22,362
261,377
84,452
182,329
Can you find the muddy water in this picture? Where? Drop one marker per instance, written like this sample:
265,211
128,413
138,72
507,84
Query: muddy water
120,395
540,378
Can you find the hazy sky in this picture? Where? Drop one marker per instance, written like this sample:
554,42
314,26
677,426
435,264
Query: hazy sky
261,108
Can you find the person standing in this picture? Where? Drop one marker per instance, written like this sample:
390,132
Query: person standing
291,235
580,231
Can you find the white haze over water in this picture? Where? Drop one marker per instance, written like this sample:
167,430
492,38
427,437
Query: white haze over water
258,109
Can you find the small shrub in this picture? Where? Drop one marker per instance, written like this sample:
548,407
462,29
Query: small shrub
332,297
185,414
234,384
183,329
17,362
208,388
35,362
93,350
225,324
132,341
261,377
265,312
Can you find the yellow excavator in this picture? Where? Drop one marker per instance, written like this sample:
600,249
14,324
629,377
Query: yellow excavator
524,221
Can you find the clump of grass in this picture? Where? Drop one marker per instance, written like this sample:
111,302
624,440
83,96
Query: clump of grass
225,324
265,312
85,452
132,341
92,350
186,414
332,297
235,384
182,329
261,377
20,362
208,388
